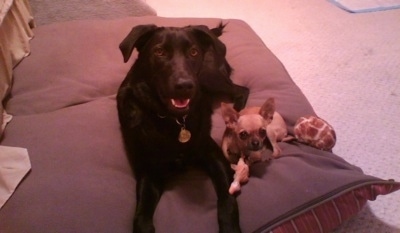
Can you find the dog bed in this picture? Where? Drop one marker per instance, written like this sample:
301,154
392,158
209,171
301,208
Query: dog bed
64,112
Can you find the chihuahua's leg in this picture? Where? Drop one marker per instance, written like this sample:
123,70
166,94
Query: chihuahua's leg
277,150
272,136
288,138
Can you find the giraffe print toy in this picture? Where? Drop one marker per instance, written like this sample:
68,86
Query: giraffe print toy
315,132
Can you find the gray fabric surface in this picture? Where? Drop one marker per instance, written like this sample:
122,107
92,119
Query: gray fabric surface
50,11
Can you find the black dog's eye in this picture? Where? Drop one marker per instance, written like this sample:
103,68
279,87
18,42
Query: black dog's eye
262,132
194,52
243,135
159,52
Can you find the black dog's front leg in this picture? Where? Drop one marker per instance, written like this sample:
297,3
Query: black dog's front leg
148,194
240,96
221,174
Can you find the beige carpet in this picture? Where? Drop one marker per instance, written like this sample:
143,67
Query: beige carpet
348,65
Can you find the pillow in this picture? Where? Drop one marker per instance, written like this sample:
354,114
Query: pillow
63,102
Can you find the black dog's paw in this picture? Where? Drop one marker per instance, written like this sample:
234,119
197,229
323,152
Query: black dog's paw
141,226
234,228
228,217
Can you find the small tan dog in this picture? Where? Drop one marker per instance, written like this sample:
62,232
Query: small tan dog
247,133
247,130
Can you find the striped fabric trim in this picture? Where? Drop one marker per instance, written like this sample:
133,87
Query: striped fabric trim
330,214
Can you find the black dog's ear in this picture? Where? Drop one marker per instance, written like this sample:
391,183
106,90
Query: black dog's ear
209,37
136,39
218,30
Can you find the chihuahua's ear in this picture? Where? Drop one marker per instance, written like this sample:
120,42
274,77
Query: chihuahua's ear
267,109
230,115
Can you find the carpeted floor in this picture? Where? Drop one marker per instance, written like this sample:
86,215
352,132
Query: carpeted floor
348,65
50,11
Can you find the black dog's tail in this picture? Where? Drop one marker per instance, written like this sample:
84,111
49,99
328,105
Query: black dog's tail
219,29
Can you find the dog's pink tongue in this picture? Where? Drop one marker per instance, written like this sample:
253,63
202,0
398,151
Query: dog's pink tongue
180,103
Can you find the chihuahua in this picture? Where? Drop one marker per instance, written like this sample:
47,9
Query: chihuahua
251,130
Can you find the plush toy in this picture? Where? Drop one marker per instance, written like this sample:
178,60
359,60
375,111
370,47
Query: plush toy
315,132
241,175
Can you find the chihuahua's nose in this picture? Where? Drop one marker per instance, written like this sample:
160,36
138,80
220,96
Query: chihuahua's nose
255,143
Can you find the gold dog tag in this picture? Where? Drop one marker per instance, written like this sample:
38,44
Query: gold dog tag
184,135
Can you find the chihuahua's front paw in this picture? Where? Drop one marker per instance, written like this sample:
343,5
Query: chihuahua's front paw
277,151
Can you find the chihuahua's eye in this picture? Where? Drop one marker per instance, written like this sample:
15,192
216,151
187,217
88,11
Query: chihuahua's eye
159,52
243,135
262,132
193,52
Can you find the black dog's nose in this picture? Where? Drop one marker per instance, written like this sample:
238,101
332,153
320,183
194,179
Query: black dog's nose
184,85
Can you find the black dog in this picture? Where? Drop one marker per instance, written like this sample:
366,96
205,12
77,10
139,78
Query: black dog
165,107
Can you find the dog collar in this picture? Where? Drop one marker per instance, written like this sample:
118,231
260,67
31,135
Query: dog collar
184,135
